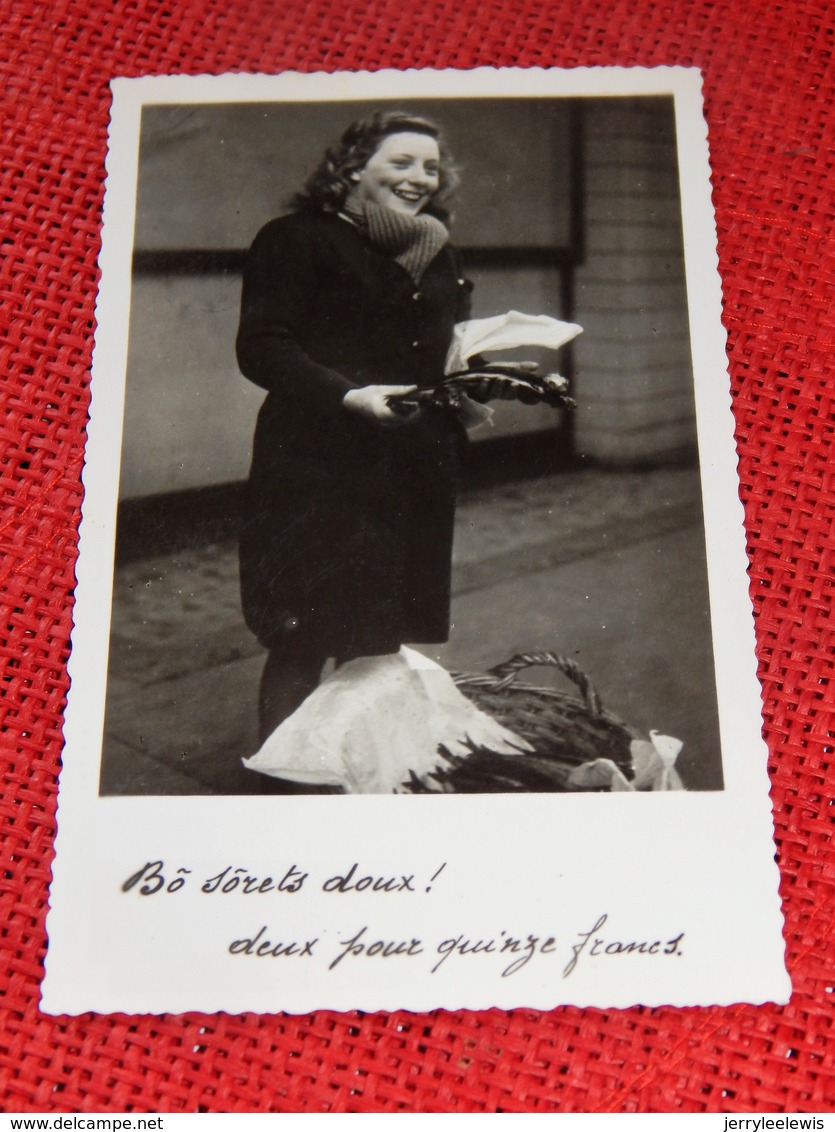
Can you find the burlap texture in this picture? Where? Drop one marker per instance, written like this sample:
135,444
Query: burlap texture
768,88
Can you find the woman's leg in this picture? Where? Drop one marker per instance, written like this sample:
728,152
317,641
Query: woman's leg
290,675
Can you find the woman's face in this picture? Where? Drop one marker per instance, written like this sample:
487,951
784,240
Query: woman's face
402,174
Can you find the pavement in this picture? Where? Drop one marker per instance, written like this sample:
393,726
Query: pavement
606,567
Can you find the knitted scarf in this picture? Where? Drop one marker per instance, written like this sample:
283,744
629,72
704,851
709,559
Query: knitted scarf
413,241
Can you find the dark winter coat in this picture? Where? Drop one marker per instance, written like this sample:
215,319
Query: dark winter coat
347,538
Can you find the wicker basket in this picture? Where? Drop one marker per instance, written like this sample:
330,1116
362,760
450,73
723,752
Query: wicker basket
564,730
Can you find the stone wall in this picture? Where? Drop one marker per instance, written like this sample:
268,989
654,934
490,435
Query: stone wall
633,368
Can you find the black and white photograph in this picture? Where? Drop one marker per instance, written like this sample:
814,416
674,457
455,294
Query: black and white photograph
413,653
328,504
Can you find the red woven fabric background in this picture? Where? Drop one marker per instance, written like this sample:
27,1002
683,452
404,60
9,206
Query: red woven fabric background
768,88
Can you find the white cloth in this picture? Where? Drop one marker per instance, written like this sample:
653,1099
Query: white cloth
506,332
653,762
374,722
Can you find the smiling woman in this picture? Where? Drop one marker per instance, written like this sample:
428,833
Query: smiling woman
349,300
404,174
385,144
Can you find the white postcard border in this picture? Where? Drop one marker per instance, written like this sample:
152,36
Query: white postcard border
658,866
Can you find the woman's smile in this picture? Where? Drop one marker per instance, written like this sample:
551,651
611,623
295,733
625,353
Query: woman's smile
402,174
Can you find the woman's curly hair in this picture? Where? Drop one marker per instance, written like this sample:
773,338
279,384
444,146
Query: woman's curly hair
330,184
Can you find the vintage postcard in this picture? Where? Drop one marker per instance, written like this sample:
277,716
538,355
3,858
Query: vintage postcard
413,662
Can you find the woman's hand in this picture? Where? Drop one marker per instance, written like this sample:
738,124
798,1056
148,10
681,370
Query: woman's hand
372,402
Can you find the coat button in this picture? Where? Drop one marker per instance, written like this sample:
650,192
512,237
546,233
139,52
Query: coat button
416,345
418,295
